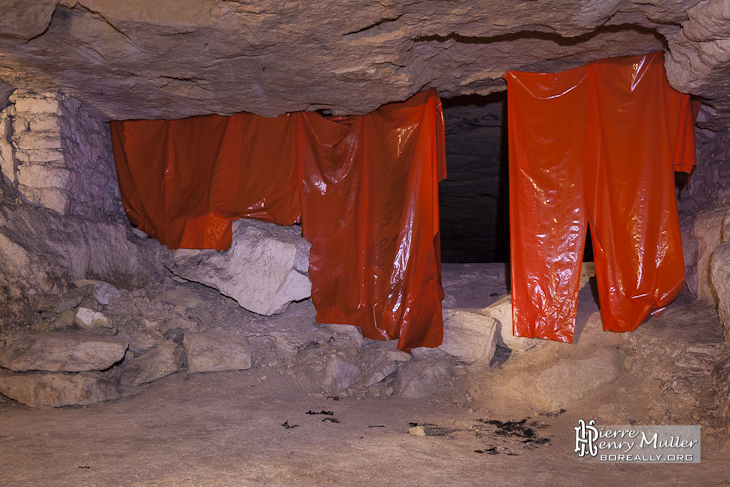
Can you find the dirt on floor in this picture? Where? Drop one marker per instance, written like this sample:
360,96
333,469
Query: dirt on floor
509,424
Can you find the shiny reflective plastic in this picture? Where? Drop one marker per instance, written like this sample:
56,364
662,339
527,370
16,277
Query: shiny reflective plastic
597,146
364,187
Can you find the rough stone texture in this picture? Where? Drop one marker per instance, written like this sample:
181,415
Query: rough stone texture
103,292
567,382
68,352
339,375
501,311
709,181
40,390
708,229
683,351
174,59
264,269
94,321
41,253
212,352
58,156
62,302
470,337
720,274
419,379
690,251
159,362
699,56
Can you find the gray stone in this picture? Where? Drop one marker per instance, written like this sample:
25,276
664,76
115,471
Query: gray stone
382,367
40,390
143,340
470,337
104,292
94,321
720,274
214,352
569,381
501,311
420,379
41,251
68,300
159,362
339,375
61,351
262,269
708,230
65,319
344,55
181,297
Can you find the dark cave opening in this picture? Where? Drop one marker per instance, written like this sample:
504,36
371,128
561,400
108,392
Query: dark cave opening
474,198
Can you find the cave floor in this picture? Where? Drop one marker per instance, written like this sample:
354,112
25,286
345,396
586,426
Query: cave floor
251,428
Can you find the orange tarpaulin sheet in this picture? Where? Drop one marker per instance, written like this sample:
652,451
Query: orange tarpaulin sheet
595,144
364,187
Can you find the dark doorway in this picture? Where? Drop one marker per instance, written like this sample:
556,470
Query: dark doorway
474,198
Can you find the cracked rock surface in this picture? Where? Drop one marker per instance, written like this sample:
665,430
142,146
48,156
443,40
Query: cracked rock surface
174,59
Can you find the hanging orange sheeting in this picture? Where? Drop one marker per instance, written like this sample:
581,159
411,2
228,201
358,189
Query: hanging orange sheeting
365,187
595,144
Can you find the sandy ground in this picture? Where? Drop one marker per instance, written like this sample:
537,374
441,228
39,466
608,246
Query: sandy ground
252,428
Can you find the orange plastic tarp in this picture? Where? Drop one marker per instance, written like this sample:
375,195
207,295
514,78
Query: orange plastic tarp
364,187
597,144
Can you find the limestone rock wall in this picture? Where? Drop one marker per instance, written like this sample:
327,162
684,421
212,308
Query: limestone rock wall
58,156
41,252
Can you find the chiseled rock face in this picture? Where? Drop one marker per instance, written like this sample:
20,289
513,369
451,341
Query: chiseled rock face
43,390
264,269
54,352
171,59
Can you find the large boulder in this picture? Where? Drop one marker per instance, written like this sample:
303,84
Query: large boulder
470,337
265,268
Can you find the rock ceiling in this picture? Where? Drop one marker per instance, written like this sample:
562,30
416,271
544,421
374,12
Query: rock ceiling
176,58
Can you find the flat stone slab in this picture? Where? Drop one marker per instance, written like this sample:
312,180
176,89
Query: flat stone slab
39,389
61,352
216,352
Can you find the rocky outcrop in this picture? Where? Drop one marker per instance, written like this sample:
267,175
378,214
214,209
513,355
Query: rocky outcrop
42,252
264,269
186,58
699,56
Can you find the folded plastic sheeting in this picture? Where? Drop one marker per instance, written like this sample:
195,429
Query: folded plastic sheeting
595,144
364,187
